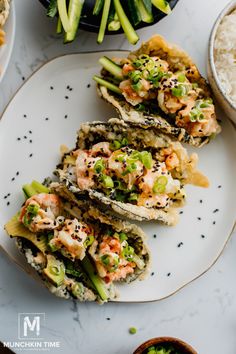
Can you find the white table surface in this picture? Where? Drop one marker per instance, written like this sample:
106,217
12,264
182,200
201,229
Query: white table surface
204,312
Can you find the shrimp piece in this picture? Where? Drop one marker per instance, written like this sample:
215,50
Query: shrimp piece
70,239
84,168
110,244
172,161
147,181
127,68
130,95
40,212
102,148
120,273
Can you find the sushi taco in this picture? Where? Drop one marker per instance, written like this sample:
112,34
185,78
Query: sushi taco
130,170
159,87
78,251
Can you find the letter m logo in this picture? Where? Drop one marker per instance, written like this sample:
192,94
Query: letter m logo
29,325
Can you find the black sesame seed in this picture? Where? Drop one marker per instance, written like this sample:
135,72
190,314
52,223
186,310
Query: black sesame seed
203,236
24,115
181,212
30,131
5,196
200,201
8,195
17,173
168,274
199,218
51,87
154,236
18,139
88,86
70,89
46,118
219,186
23,78
108,318
216,210
30,141
13,179
214,222
65,116
30,155
25,137
152,273
66,97
8,203
180,244
67,87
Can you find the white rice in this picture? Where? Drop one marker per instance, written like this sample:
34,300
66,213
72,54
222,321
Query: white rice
225,55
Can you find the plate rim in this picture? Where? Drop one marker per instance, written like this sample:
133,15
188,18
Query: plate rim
10,44
232,229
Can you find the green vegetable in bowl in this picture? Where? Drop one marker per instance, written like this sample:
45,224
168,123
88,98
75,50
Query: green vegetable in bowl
162,349
114,15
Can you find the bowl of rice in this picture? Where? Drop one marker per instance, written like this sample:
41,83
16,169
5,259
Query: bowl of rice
222,60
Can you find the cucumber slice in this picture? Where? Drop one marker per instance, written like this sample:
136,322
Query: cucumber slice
59,26
134,12
97,7
111,67
39,187
74,13
107,84
146,16
162,5
113,20
62,9
125,23
15,228
28,190
104,19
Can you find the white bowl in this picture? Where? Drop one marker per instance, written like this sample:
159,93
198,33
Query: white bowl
218,91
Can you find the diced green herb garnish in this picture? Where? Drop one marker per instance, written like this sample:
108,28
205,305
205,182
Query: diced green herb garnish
160,185
179,91
107,181
99,166
146,159
89,240
181,78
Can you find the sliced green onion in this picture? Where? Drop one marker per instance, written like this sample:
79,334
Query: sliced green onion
137,87
139,262
135,76
160,185
123,236
145,13
107,84
105,259
99,166
181,78
179,91
133,197
125,23
107,181
124,142
89,240
146,159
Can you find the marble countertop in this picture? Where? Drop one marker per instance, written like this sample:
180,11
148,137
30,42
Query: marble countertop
203,313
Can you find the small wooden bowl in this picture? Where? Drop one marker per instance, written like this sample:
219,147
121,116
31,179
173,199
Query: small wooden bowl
178,344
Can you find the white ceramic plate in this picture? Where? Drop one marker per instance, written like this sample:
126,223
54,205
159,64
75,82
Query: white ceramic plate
6,49
46,113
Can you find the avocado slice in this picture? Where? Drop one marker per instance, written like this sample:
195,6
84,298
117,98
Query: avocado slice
55,271
15,228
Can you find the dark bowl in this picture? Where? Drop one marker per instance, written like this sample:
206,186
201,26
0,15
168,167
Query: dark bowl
91,23
178,344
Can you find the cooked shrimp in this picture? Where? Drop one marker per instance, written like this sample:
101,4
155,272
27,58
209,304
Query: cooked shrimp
102,148
172,161
70,239
84,168
131,95
40,212
115,267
